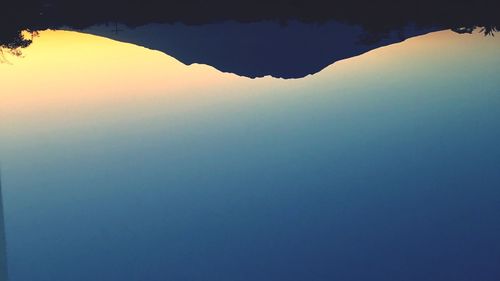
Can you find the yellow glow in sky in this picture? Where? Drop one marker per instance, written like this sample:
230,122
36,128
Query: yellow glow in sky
70,78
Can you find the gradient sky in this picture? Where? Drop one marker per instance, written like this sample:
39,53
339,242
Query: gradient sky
120,163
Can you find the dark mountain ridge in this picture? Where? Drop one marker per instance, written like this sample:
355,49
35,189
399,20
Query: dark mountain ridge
377,17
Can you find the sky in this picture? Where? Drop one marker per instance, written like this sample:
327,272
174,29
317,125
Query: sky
121,163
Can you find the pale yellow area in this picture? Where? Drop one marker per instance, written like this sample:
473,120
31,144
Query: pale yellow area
68,78
61,66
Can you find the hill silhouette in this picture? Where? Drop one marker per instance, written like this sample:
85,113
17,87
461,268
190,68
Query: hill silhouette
376,16
382,22
256,49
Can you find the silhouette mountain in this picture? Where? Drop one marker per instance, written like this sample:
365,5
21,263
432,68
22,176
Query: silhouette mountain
257,49
375,15
315,33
